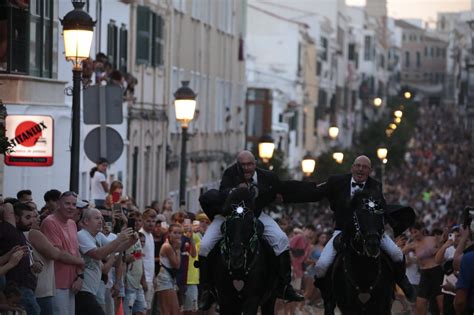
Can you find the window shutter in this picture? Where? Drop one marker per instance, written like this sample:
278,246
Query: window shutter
143,35
158,24
123,49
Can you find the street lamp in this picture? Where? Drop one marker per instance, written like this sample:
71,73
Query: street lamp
308,164
407,95
184,106
398,113
377,102
266,146
382,155
333,132
393,126
397,120
78,29
338,156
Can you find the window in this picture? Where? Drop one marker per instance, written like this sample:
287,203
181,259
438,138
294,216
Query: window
259,113
123,52
226,16
112,34
368,48
426,51
220,105
324,51
195,10
206,11
240,121
418,59
149,37
407,59
31,38
352,52
300,59
180,5
158,42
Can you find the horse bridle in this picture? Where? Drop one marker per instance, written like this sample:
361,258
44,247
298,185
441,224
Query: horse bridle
359,236
251,247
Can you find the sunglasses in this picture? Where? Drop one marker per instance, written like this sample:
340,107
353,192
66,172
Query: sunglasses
68,194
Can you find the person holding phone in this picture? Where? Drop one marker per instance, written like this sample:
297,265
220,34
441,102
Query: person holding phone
99,185
112,201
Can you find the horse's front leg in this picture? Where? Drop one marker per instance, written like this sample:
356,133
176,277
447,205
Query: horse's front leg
250,306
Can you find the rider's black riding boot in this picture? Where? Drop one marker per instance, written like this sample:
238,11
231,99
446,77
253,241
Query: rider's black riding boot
322,285
207,294
402,280
285,290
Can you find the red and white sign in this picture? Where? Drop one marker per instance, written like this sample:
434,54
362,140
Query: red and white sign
32,140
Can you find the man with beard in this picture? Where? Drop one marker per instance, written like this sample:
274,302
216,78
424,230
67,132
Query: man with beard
61,230
11,234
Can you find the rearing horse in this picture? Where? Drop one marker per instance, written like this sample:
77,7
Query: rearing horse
244,272
362,276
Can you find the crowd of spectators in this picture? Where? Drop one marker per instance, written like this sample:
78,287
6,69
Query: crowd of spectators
70,258
110,256
100,71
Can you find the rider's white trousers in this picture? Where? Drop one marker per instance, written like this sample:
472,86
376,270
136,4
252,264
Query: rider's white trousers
272,234
329,253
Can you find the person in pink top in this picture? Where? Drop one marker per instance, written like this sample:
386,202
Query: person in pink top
61,230
300,248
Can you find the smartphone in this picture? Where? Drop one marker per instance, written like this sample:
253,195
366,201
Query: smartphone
187,221
117,207
451,236
131,223
164,225
116,197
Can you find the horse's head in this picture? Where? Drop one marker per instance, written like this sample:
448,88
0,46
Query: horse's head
239,229
368,223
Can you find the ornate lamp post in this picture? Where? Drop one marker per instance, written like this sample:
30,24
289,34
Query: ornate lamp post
333,132
185,106
78,29
266,146
308,164
382,155
378,102
338,157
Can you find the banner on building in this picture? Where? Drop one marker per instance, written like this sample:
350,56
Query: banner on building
31,138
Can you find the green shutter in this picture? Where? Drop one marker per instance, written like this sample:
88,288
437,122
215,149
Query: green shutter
157,40
143,35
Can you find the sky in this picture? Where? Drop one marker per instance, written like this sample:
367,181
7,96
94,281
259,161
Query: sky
424,9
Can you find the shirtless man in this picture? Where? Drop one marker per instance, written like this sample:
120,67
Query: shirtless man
431,273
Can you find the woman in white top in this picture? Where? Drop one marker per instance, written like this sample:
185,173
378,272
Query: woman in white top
99,185
170,260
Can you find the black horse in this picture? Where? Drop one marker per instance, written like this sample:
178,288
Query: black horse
362,279
243,264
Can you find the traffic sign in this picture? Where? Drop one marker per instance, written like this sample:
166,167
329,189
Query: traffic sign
103,100
111,147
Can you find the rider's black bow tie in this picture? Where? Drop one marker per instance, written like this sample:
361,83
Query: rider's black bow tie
361,185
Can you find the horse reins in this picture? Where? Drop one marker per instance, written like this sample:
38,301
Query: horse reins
353,282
